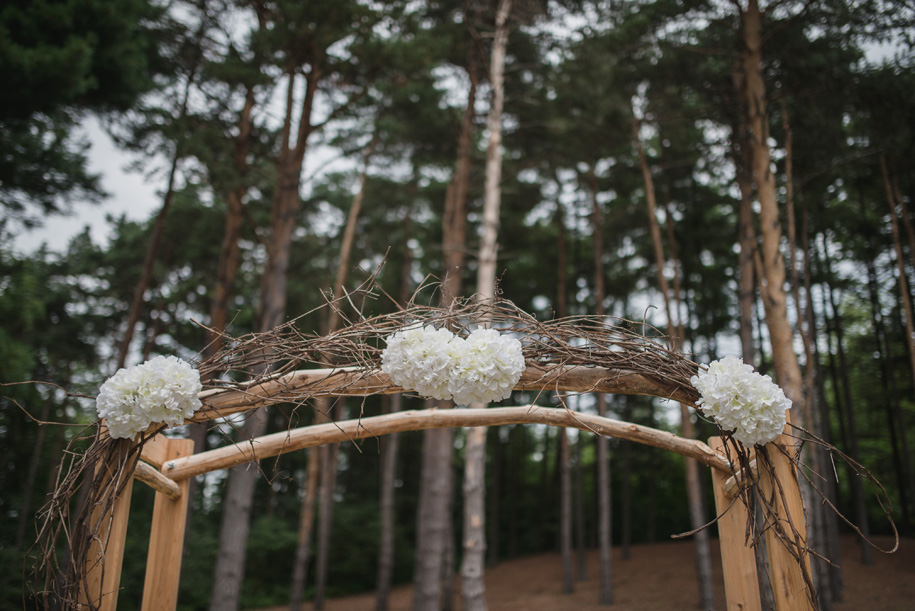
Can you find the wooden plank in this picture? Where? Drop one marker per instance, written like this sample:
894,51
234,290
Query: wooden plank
738,560
155,480
106,554
309,383
785,570
166,540
154,451
416,420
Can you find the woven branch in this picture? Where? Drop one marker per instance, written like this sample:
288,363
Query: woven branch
616,345
631,354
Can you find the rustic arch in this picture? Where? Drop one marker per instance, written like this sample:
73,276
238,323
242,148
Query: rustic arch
166,464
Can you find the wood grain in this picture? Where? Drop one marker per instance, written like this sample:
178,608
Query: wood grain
166,539
738,560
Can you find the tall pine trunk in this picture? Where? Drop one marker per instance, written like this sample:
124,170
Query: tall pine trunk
693,481
772,273
434,507
473,589
565,458
329,454
741,154
389,452
233,537
773,283
604,508
904,294
626,486
830,525
851,426
306,523
565,513
433,515
813,455
229,257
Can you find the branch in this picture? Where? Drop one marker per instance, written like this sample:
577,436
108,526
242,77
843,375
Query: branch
416,420
298,386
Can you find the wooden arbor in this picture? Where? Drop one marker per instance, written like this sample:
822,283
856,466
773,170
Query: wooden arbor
167,464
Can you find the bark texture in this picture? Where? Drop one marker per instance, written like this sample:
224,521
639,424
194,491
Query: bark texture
473,589
604,507
230,565
675,332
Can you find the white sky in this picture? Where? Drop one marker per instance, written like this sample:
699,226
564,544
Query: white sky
129,193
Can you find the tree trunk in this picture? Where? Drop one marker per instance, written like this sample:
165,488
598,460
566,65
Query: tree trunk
230,563
565,519
604,532
495,498
741,153
773,284
329,455
389,450
434,508
675,331
900,262
812,455
580,511
565,459
857,490
152,252
772,277
433,516
454,224
25,508
889,390
472,586
229,257
626,485
306,522
830,524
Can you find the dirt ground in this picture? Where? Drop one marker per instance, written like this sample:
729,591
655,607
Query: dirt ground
660,576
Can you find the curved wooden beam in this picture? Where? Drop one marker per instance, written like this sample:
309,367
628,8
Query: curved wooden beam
307,383
416,420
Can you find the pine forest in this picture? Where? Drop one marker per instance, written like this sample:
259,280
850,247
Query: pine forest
726,177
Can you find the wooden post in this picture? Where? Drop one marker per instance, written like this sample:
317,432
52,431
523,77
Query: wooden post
785,565
738,560
106,553
166,540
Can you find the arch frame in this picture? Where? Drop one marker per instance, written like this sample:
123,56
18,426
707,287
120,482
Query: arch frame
175,470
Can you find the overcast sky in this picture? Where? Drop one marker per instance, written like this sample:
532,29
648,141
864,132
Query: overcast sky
129,193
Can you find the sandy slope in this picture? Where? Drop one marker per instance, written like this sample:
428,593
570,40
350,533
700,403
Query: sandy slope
659,576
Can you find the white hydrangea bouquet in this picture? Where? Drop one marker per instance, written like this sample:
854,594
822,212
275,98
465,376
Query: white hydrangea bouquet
742,401
436,363
161,390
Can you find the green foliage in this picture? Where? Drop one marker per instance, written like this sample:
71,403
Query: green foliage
58,59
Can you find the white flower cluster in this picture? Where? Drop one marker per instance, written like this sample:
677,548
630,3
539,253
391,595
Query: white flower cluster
163,389
436,363
741,400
